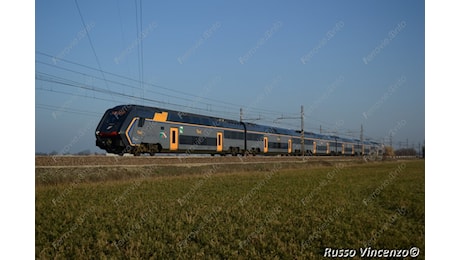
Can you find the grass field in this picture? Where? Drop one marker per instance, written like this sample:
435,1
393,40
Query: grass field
273,211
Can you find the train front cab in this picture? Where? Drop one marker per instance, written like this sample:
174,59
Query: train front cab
110,129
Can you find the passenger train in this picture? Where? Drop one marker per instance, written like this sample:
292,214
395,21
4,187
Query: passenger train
135,129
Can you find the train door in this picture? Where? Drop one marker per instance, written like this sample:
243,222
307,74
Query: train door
289,145
219,142
328,148
265,144
174,138
314,147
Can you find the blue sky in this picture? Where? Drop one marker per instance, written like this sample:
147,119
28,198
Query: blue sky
347,62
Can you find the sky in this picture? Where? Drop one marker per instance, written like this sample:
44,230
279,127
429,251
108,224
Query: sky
209,38
349,63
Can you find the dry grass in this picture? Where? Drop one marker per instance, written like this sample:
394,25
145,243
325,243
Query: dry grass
272,211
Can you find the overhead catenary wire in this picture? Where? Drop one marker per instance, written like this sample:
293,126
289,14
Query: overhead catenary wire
74,84
215,109
140,52
90,42
216,103
111,81
122,31
213,103
68,110
45,77
115,102
70,83
125,78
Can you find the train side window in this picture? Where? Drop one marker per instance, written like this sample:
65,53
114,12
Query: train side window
141,122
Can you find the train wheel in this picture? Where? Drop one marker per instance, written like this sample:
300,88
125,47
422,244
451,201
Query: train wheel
234,151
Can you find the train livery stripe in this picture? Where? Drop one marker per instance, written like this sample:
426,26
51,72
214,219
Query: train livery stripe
163,116
160,117
128,130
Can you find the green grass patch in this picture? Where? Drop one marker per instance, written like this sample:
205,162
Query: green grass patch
273,212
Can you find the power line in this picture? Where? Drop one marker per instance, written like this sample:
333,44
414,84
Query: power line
140,54
110,81
123,39
130,79
70,83
142,49
218,102
79,95
132,97
66,82
67,110
91,42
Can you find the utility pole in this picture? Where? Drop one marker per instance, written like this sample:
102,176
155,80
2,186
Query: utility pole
247,119
244,125
302,134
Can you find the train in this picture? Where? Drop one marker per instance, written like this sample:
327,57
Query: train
136,129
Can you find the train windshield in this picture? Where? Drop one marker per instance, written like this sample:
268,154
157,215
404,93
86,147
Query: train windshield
115,116
113,119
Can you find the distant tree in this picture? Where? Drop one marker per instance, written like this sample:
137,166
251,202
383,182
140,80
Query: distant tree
406,152
389,151
84,152
54,152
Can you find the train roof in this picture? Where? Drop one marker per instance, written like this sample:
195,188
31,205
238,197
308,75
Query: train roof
185,117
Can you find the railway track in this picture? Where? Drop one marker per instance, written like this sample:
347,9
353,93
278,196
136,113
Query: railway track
178,161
